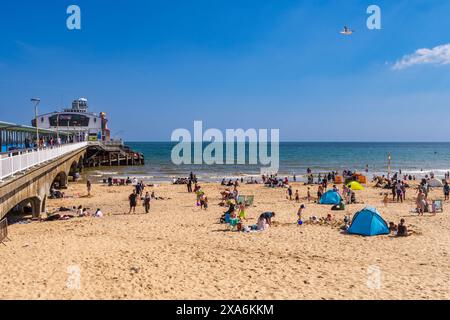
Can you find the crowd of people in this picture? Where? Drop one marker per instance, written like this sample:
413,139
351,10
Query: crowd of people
236,214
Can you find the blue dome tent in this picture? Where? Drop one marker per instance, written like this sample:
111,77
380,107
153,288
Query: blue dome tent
330,197
368,222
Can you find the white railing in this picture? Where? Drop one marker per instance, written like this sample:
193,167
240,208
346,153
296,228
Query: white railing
19,161
111,143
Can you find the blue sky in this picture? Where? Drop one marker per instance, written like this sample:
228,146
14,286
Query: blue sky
155,66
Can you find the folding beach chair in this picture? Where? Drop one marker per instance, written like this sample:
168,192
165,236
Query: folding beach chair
438,206
240,200
249,201
115,182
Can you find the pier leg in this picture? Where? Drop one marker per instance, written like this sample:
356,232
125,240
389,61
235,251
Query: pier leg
36,206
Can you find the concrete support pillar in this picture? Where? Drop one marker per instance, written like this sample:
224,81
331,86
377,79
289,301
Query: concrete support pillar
64,180
36,206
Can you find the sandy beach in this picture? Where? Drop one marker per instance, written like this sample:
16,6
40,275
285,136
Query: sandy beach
181,252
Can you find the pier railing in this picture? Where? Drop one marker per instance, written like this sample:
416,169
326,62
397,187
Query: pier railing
18,161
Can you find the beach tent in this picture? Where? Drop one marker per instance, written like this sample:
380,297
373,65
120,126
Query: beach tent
435,183
330,197
355,186
368,222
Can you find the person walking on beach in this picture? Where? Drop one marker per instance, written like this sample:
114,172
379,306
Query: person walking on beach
89,187
319,192
289,192
446,191
399,191
147,200
308,195
133,202
297,196
393,189
299,214
403,187
189,185
142,188
421,202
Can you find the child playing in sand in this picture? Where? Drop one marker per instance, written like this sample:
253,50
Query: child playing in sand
299,213
98,214
347,221
242,214
204,202
262,224
386,199
199,194
402,230
392,227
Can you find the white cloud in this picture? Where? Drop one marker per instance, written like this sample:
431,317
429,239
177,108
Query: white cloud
439,55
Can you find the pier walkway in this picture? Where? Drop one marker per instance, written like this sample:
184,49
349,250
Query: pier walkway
26,176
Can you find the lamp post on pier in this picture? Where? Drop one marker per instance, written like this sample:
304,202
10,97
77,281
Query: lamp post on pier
36,102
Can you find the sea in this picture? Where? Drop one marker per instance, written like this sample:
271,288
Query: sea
417,159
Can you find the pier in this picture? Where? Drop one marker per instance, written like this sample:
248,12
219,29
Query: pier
33,160
26,176
112,153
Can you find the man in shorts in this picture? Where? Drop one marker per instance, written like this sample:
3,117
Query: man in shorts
133,201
